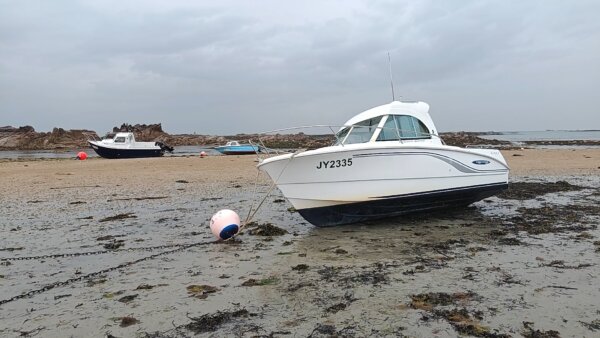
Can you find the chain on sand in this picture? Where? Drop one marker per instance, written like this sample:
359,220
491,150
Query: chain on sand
178,247
90,253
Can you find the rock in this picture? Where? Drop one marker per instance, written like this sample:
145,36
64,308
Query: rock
26,138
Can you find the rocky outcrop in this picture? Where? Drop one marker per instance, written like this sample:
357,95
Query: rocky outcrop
463,139
144,132
26,138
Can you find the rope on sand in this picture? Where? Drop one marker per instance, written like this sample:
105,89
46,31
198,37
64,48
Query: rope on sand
252,213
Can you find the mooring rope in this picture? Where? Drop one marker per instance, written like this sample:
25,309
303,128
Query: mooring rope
251,213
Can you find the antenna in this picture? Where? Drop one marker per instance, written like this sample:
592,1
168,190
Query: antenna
391,79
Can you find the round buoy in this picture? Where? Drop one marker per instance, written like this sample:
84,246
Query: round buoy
81,155
225,224
202,154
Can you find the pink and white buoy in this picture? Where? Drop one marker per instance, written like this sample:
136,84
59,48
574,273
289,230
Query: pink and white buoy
225,224
203,154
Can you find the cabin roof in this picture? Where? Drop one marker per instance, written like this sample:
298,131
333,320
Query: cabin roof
419,109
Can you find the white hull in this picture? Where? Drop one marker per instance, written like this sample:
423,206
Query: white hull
319,178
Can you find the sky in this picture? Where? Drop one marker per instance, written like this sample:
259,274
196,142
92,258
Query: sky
234,66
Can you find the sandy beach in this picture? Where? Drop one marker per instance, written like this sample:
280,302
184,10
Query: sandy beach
122,248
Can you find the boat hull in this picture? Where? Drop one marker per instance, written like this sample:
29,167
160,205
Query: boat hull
397,206
338,185
237,150
113,153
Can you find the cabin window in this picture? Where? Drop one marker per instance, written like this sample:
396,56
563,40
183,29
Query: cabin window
403,127
120,139
362,132
341,135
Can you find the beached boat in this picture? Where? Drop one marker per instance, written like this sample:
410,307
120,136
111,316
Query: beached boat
387,161
124,145
235,148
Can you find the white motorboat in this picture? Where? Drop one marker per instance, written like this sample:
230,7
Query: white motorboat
124,145
387,161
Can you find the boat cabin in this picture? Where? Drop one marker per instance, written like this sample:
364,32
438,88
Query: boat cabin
232,144
396,121
121,138
124,138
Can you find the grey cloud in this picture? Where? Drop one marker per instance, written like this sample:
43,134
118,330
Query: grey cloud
263,65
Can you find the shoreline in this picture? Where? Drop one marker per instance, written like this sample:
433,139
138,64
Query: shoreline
26,138
123,248
522,161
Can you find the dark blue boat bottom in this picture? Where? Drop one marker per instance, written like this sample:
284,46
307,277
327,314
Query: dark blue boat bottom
127,153
399,205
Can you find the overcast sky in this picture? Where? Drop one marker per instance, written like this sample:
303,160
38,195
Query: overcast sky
249,66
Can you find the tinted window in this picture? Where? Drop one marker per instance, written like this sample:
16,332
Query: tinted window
341,135
389,132
120,139
362,131
403,127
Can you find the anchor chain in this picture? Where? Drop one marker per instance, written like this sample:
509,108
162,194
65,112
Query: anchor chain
90,253
97,273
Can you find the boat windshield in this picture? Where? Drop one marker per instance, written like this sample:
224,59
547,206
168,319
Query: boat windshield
120,139
360,132
403,127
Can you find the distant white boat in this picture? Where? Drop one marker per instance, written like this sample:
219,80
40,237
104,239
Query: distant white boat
387,161
124,145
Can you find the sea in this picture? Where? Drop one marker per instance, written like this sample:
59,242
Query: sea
546,135
516,137
62,154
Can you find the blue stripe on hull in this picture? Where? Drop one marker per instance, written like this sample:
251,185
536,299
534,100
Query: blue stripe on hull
126,153
398,205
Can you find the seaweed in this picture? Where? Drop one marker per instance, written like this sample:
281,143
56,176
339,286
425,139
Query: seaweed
212,322
119,217
529,190
265,229
201,291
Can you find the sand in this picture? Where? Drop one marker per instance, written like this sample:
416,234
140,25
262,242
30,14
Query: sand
553,162
500,267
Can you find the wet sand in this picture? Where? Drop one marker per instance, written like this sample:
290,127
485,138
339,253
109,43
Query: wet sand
520,264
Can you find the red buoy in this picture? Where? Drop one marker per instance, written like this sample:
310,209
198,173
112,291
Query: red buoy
81,155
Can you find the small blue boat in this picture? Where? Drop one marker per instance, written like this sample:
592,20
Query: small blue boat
235,148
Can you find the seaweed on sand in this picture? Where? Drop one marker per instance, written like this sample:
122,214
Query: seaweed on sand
555,219
530,332
374,274
593,326
529,190
212,322
427,301
265,229
128,321
462,320
119,217
262,282
466,323
114,245
127,299
201,291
